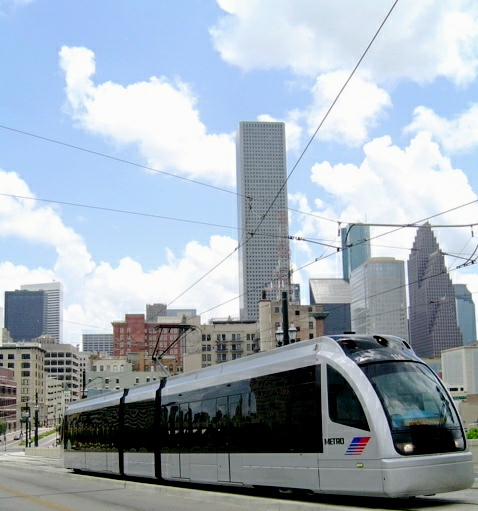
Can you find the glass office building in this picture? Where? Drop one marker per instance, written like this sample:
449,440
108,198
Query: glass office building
379,302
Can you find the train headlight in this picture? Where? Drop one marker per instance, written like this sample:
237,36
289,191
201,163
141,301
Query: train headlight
460,443
406,447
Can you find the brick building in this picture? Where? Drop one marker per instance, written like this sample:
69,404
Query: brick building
161,342
8,398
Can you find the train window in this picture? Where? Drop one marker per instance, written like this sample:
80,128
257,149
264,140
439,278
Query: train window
422,418
139,427
344,406
95,430
276,413
288,419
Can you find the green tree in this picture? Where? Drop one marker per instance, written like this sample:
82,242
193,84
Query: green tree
3,428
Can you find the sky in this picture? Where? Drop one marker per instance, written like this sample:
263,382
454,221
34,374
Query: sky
117,141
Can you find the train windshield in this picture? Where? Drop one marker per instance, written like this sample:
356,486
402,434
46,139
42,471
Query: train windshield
422,419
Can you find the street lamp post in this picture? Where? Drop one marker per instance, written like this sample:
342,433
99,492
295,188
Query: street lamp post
26,420
285,317
285,333
292,334
36,420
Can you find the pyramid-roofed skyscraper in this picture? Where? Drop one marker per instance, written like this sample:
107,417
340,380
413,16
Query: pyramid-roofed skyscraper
432,318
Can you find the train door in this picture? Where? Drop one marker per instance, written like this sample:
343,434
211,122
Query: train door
184,451
349,462
179,457
223,455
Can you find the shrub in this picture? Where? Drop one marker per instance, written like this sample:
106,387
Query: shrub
472,433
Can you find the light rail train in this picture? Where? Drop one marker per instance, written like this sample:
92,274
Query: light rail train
343,414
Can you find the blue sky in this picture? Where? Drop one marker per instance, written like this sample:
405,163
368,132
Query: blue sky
118,120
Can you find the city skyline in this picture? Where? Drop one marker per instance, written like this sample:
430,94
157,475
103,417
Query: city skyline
117,143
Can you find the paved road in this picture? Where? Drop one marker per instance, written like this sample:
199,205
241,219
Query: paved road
33,483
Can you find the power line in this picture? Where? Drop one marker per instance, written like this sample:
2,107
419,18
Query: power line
123,211
115,158
139,165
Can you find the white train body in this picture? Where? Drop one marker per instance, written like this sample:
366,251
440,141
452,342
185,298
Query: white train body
317,415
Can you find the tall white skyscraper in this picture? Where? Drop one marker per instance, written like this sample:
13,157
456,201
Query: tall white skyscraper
53,319
264,259
379,304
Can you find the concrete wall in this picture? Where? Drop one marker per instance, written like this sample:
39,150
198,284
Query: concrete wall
44,452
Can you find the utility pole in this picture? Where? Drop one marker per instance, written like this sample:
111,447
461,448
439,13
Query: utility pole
285,317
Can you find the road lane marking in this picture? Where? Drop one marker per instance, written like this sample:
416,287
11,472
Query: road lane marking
38,500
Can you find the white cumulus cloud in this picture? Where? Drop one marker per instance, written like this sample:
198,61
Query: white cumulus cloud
357,109
159,116
457,134
420,41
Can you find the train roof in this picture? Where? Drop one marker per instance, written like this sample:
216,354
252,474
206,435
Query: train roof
95,402
359,348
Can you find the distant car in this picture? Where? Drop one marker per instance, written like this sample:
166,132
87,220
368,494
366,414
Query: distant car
16,437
